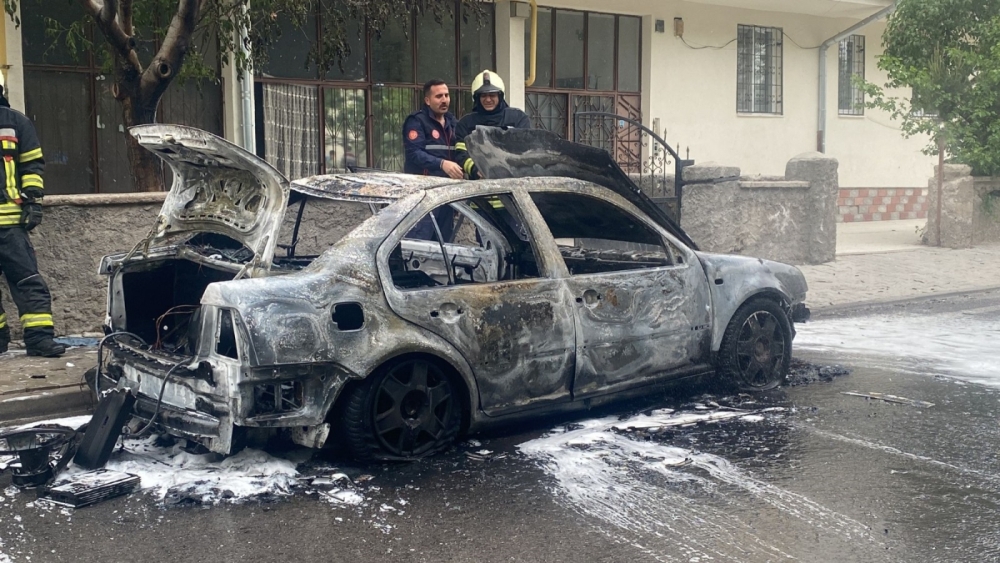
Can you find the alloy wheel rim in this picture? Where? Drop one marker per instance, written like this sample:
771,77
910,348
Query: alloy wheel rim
760,349
412,407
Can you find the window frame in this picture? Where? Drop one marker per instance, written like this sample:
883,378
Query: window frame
628,100
459,90
430,203
667,241
850,63
747,102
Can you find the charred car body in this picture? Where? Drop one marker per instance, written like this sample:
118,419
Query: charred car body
555,285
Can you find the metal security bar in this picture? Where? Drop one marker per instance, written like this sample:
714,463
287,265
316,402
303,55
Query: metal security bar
759,69
851,98
644,156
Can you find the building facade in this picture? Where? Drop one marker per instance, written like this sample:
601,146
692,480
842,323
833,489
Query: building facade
731,81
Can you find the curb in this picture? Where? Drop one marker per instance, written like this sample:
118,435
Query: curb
31,406
845,309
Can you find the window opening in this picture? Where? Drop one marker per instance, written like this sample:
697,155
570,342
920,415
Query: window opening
759,69
595,236
472,241
851,98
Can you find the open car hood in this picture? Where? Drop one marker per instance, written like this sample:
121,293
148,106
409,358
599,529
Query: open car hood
218,188
524,153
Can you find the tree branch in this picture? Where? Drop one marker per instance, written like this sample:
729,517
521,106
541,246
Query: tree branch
106,16
170,58
126,12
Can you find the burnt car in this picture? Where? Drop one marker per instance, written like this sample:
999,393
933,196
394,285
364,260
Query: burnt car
555,285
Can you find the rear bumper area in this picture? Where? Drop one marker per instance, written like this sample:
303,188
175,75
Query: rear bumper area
188,408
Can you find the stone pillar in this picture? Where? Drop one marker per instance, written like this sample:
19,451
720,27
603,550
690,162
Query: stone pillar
510,50
232,105
958,207
13,61
820,171
709,207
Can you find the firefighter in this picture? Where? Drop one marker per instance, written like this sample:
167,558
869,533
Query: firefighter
490,109
20,212
428,139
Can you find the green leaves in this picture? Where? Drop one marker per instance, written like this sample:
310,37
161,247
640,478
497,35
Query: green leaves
947,52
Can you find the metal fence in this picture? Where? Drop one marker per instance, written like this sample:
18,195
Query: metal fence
648,160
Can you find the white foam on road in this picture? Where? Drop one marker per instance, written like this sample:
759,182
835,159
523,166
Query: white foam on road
654,493
962,346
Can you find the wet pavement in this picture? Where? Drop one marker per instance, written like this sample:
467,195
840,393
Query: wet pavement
805,473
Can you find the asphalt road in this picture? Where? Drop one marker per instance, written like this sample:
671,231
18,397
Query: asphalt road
803,473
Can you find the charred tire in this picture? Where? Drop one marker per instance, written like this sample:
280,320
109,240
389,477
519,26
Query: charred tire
408,409
756,347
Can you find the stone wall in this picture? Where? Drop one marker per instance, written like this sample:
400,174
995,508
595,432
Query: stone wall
78,231
790,219
970,209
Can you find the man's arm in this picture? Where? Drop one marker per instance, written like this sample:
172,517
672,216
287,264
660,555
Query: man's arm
462,152
31,164
523,122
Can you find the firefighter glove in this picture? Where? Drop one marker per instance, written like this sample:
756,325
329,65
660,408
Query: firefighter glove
32,194
31,215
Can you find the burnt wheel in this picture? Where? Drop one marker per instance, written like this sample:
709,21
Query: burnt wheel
408,409
756,347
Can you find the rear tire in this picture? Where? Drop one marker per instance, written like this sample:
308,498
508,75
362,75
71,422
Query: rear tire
407,409
756,347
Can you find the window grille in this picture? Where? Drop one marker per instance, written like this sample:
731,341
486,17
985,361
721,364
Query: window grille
759,69
851,98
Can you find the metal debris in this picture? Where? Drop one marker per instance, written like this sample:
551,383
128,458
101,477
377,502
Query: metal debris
889,398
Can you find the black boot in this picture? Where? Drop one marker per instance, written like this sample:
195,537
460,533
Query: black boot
39,342
4,339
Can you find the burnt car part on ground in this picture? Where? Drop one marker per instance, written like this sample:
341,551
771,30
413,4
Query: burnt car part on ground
42,452
455,305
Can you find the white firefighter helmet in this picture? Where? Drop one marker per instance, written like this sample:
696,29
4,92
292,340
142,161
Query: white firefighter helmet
485,82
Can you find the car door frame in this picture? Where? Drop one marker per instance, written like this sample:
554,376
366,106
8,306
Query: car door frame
478,320
694,336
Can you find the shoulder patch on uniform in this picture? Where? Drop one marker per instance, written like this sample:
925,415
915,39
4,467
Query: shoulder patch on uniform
435,134
412,135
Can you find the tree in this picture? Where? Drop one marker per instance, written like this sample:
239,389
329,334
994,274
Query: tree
947,52
183,31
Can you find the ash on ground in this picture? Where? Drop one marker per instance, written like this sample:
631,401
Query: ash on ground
803,373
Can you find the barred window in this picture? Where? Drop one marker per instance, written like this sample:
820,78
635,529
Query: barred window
851,98
759,69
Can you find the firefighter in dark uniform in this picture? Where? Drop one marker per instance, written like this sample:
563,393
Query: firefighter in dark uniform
20,212
490,109
429,141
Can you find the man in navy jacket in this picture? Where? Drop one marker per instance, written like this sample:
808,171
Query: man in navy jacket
429,141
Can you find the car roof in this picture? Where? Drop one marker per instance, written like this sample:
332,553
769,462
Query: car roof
368,187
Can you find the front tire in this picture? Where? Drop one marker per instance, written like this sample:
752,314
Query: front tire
408,409
756,347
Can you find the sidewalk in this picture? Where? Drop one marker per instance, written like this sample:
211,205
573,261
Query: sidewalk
884,261
32,387
877,262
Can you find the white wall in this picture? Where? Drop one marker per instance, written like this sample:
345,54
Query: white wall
693,93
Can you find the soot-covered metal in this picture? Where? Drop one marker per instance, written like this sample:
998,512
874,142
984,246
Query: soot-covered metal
394,341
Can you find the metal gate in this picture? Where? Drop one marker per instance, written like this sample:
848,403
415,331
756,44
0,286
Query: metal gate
648,160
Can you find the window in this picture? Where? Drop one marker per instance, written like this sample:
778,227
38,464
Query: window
79,122
851,98
579,55
759,69
477,240
353,115
595,236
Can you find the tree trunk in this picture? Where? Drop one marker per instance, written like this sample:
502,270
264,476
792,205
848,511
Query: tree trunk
146,167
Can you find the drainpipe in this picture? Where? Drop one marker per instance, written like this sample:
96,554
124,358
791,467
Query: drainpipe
821,125
532,48
246,90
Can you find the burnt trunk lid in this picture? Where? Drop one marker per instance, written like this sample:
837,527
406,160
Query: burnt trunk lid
217,188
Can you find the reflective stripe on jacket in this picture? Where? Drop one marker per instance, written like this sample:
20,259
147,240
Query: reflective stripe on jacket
23,164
